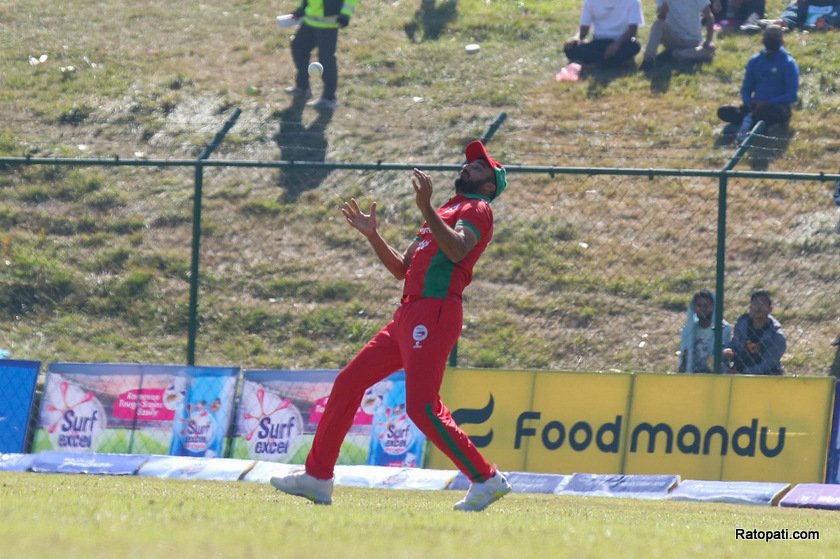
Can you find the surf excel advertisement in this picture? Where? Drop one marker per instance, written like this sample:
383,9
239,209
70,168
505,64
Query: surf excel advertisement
136,409
279,411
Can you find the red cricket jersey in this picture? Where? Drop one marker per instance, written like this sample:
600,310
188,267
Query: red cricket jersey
431,273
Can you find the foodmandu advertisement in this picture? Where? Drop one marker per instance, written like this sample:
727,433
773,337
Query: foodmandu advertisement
122,407
692,447
713,427
279,411
486,404
779,429
17,387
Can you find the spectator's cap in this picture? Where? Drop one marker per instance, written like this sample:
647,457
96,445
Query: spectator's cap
476,150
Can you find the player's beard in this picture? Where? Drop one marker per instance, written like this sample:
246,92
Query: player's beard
464,185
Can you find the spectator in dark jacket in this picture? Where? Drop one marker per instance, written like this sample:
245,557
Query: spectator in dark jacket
757,342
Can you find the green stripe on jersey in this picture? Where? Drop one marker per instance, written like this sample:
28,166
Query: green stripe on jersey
438,276
463,223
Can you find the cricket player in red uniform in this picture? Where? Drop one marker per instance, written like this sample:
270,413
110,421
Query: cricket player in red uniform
436,268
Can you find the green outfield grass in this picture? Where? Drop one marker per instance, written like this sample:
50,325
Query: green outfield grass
45,516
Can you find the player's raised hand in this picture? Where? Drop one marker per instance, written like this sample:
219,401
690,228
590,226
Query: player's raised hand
422,184
364,223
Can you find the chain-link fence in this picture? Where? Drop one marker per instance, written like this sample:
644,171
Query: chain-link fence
588,269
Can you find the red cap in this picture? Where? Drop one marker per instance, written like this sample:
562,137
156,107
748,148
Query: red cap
476,150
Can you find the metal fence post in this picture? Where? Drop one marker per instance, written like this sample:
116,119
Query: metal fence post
720,284
196,239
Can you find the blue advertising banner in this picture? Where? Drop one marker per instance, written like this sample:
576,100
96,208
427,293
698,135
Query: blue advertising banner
832,474
16,462
17,389
522,482
394,439
52,462
205,413
638,486
814,496
737,492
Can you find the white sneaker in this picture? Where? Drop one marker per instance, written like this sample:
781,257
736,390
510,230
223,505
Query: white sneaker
481,495
323,104
319,491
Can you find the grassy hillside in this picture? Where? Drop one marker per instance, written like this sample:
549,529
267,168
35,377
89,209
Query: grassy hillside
585,272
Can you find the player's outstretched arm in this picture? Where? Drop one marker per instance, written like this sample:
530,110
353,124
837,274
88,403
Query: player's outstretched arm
395,262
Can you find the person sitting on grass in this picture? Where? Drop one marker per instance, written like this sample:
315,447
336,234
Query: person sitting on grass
769,89
678,28
614,43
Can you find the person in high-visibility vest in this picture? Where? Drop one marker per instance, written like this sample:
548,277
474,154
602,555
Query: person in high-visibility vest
321,20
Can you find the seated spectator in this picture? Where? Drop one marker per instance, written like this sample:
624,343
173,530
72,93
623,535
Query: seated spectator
615,24
697,342
742,14
770,87
757,343
678,28
811,15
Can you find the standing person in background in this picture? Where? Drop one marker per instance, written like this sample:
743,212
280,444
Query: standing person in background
697,342
757,343
770,87
614,43
321,20
678,28
436,267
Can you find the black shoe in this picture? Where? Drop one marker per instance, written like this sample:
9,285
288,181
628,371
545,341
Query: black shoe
731,114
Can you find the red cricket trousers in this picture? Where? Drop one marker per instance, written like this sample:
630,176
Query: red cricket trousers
418,340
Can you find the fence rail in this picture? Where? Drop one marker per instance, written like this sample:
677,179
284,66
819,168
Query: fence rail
796,255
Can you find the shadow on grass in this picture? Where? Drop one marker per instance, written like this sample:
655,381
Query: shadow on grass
300,142
600,77
765,148
431,19
666,67
769,147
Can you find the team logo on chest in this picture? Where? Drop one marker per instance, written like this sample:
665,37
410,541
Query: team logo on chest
419,334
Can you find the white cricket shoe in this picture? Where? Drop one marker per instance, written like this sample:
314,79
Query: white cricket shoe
301,484
481,495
